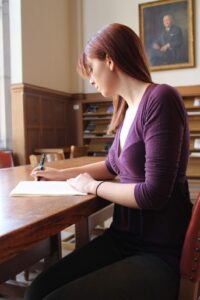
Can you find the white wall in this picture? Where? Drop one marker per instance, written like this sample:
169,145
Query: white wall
15,40
55,31
5,103
46,39
97,13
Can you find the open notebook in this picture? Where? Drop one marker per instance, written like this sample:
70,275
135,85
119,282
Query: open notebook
44,188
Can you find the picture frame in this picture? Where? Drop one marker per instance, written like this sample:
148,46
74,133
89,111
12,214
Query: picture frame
167,32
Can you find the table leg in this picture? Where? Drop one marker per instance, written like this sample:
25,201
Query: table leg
49,249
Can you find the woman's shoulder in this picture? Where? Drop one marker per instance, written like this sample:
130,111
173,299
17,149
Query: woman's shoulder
163,93
164,89
165,99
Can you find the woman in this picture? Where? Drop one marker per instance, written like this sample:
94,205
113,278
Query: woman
138,256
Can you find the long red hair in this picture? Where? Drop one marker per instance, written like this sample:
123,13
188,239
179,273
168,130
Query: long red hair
125,48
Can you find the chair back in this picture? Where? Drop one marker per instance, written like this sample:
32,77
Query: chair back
77,151
190,258
49,157
50,150
6,159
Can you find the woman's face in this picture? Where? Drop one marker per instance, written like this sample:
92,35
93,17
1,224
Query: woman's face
101,75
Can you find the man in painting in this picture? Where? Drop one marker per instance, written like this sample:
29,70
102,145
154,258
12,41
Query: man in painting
166,48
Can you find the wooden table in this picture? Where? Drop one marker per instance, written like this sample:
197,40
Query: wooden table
30,226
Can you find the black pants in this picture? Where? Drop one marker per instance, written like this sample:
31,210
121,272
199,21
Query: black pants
100,271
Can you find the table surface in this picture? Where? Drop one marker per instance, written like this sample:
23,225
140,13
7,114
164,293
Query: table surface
27,220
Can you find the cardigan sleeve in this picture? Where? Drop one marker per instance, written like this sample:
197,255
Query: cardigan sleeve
163,133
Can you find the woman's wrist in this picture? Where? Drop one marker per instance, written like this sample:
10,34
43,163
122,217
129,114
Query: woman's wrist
97,187
94,187
91,186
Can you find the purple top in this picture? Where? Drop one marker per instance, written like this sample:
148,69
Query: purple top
155,157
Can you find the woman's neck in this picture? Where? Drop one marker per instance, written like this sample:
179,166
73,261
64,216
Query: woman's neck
132,90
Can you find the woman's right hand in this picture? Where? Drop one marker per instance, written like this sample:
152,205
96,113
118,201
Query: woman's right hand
47,174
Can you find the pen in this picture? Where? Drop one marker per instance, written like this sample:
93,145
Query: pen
42,159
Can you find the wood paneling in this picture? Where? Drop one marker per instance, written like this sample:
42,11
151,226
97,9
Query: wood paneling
40,119
189,90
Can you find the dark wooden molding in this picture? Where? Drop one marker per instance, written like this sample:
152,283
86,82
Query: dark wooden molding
38,90
190,90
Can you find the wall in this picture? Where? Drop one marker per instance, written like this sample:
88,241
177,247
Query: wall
53,35
15,41
5,109
97,13
50,41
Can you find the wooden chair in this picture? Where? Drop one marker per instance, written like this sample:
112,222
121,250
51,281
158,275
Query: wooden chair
35,158
92,226
77,151
6,159
51,150
190,258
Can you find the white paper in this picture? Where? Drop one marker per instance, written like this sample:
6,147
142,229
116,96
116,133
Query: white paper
44,188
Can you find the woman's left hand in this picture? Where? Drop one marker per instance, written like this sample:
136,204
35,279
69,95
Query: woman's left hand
84,183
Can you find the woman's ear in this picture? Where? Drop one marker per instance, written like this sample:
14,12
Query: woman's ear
109,63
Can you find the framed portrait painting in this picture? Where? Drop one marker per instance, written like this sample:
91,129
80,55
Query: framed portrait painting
167,32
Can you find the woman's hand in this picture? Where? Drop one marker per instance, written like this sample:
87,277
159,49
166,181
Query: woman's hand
47,174
84,183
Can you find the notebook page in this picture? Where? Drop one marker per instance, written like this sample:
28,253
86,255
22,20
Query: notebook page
44,188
